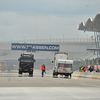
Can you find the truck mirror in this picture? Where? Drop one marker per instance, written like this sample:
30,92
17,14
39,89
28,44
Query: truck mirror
52,61
34,60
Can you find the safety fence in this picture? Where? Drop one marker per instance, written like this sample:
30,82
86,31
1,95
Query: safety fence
51,40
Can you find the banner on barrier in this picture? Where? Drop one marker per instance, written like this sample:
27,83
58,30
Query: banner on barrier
35,47
98,66
95,66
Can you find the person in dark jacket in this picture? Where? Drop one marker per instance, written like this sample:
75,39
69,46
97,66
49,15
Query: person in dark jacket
91,69
43,69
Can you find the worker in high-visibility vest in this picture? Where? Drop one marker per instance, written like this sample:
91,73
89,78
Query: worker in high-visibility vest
43,69
82,68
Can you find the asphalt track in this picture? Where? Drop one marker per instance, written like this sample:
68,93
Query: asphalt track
23,87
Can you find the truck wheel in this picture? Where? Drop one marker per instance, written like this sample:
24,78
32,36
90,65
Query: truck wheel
20,72
56,75
70,76
30,74
53,75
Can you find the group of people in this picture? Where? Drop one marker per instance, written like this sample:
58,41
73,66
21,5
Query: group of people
91,68
86,69
83,69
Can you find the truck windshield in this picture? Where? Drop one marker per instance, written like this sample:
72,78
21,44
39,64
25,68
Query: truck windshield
26,58
65,65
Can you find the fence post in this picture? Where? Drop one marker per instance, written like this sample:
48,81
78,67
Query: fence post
70,39
80,39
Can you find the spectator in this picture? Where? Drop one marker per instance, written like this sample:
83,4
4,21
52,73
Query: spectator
84,69
91,69
81,68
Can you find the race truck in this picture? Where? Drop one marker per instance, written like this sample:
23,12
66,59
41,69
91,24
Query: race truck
61,64
26,63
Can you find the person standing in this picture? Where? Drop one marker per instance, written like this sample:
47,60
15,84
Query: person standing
84,69
43,69
81,68
90,69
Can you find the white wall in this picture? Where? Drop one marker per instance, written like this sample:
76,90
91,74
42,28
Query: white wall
73,48
5,46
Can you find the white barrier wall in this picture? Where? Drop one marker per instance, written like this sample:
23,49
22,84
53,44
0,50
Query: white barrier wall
73,48
95,75
5,46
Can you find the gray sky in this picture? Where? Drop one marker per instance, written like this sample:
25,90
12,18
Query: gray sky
42,19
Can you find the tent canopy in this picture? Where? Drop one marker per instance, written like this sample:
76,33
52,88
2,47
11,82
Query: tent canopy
92,24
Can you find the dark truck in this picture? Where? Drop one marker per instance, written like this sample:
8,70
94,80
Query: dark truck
26,63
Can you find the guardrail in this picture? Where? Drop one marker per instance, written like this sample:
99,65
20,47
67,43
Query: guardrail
51,40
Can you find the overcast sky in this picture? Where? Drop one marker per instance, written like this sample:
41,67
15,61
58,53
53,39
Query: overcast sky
32,19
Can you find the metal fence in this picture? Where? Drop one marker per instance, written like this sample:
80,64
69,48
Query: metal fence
51,40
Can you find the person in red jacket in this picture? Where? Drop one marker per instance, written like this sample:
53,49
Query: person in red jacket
84,69
43,69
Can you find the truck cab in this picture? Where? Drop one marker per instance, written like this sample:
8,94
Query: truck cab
62,66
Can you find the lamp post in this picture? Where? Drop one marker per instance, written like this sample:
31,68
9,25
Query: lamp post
77,37
50,38
11,39
87,37
37,38
24,39
63,38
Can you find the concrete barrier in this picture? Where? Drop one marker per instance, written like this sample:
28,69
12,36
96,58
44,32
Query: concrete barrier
93,75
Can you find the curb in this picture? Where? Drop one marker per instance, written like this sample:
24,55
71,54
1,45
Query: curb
86,76
94,77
